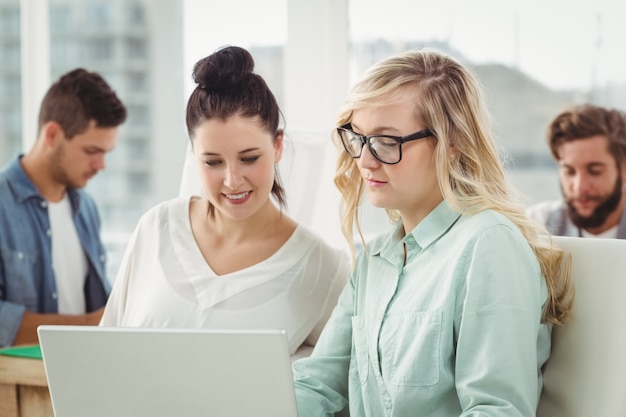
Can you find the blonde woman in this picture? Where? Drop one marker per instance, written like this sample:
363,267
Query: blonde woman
450,312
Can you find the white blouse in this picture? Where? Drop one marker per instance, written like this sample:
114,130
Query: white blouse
164,281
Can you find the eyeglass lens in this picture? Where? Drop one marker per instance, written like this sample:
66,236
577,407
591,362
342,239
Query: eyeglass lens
383,148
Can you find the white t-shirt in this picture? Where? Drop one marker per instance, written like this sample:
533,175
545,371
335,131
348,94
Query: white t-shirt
164,281
68,259
607,234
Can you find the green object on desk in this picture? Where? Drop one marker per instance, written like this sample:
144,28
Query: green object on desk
33,352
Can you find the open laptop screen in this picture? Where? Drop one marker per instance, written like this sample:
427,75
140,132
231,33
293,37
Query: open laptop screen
104,372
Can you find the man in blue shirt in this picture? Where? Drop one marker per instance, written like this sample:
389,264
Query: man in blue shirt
52,261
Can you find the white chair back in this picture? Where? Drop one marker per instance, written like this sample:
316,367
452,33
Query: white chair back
586,373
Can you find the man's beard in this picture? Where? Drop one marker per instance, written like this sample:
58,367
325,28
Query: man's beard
59,169
600,213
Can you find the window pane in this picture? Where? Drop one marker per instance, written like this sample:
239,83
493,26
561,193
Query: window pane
113,37
135,14
98,16
10,18
97,50
10,81
61,17
136,48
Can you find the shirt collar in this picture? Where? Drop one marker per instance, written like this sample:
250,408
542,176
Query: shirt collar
430,229
24,188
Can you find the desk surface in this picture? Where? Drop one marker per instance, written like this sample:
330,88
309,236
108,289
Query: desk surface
23,388
22,371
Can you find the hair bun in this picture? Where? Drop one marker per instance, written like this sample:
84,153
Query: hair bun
225,68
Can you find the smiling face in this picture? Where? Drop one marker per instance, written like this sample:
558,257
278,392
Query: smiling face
236,159
411,185
75,161
591,182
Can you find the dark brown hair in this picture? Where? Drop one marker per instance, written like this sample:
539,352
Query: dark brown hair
78,97
227,86
586,120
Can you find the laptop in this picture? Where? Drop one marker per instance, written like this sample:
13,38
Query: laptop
136,372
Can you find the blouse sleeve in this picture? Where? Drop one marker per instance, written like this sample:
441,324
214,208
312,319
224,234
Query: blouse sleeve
336,284
321,380
498,325
115,306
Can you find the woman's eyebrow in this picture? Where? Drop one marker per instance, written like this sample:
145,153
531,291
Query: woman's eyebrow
378,129
207,153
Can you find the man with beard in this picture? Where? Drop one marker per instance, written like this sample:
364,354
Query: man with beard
589,144
52,260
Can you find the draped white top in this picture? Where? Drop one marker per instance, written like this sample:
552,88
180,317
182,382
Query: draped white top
164,281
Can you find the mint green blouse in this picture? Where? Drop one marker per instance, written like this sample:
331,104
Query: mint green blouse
456,331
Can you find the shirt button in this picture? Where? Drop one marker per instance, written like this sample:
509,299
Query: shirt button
44,204
54,295
49,232
102,258
20,255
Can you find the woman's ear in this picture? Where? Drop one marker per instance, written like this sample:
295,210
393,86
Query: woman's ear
278,146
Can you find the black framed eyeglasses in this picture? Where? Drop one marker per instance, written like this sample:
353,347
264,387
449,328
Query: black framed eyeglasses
385,148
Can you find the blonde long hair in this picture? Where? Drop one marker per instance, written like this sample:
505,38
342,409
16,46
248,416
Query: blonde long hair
471,177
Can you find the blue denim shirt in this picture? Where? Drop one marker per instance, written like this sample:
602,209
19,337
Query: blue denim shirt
27,279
